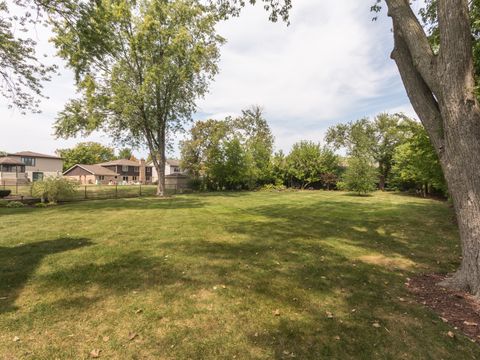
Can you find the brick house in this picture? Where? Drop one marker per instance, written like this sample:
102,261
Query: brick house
112,172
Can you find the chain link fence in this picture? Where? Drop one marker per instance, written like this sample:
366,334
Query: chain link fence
94,192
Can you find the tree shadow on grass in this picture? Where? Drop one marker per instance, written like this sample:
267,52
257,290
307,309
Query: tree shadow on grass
130,271
342,255
18,263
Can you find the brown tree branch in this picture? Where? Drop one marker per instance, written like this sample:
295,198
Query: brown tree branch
420,95
416,41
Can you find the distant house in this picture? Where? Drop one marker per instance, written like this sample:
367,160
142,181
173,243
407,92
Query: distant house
12,171
130,171
172,166
116,171
91,174
38,166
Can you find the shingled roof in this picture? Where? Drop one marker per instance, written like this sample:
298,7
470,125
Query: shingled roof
34,154
93,169
120,162
5,160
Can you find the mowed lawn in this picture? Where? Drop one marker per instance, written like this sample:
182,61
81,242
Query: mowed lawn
303,275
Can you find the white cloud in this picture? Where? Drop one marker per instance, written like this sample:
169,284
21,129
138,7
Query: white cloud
332,64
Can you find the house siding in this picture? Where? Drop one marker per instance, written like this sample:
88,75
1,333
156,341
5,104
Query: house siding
48,167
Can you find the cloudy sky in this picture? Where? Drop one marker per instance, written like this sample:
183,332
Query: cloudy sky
331,65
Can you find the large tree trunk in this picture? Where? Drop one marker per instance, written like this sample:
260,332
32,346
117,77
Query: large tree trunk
161,165
381,182
441,90
161,175
461,166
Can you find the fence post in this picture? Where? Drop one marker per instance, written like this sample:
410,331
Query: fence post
140,189
85,191
116,191
16,187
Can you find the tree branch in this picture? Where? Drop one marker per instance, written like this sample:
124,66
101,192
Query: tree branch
415,40
420,95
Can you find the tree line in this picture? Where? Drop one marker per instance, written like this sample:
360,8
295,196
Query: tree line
387,152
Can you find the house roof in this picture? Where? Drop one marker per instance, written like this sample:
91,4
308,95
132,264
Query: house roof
93,169
5,160
123,162
171,162
34,154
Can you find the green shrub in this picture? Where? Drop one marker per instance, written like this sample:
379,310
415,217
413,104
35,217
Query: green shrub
196,184
273,187
54,189
360,176
41,205
4,193
15,204
3,203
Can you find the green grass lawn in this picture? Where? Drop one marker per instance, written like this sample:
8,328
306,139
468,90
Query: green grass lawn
302,275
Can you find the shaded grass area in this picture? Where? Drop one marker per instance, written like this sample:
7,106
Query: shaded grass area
304,275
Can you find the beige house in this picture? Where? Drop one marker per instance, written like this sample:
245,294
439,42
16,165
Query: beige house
12,172
172,166
91,175
39,166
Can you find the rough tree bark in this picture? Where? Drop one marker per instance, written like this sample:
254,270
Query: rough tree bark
159,160
441,89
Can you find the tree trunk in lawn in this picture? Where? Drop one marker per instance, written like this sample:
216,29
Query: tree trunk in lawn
161,176
441,90
381,183
461,165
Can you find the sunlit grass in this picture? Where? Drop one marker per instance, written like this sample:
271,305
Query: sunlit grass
220,276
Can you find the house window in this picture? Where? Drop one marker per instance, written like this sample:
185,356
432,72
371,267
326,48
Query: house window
149,169
29,161
125,178
176,169
101,177
125,168
136,169
134,178
37,176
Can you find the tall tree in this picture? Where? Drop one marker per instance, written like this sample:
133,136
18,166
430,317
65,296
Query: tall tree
441,84
86,153
360,176
258,142
125,153
415,161
201,148
210,151
307,162
140,85
377,139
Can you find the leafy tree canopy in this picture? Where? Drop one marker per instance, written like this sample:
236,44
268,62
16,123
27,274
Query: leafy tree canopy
140,67
307,162
87,153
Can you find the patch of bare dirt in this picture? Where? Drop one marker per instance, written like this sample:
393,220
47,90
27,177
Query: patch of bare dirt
457,308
